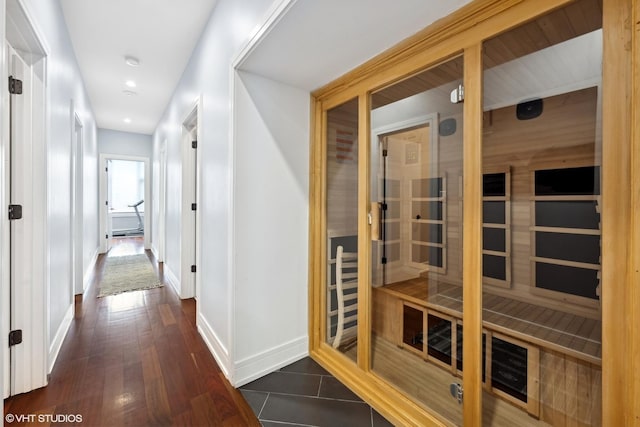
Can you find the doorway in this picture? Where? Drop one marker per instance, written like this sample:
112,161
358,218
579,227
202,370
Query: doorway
124,189
190,258
77,208
24,187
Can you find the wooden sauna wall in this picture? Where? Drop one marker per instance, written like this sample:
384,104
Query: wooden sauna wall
570,391
563,136
342,170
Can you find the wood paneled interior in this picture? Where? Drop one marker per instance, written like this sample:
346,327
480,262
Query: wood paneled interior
569,380
342,170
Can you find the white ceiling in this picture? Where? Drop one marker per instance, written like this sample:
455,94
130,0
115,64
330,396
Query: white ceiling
161,33
317,41
314,42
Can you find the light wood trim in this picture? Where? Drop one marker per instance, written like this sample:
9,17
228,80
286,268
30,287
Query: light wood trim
387,400
316,212
618,217
472,237
566,263
585,231
364,234
634,261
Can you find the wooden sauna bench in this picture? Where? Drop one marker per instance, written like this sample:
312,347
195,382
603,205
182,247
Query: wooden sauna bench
573,335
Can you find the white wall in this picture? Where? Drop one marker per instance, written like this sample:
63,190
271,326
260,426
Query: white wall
271,200
228,293
65,86
124,143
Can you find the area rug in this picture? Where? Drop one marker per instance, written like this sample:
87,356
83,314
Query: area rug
127,273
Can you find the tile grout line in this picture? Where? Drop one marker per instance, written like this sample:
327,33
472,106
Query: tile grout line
263,405
319,387
371,413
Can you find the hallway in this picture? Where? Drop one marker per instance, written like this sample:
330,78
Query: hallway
135,359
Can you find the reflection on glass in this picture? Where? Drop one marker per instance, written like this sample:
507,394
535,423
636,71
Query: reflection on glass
541,219
416,268
342,227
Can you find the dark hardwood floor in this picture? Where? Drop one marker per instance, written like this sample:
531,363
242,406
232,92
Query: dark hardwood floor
135,359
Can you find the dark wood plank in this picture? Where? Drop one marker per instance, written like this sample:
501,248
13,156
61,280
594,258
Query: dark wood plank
136,359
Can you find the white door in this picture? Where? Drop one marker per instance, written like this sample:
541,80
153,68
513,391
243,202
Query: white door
20,231
107,207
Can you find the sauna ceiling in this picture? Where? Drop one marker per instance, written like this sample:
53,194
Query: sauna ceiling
578,19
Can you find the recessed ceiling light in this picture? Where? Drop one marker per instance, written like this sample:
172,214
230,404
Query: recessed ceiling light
131,61
130,83
129,92
127,120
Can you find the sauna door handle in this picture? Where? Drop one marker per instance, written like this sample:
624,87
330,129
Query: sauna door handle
375,219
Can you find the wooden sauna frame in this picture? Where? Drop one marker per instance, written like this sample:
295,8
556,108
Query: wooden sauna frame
464,31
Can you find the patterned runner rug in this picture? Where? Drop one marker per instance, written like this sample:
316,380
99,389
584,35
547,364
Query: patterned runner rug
126,274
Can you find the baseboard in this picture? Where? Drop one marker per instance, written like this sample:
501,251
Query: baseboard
89,272
216,347
155,252
261,364
58,339
170,277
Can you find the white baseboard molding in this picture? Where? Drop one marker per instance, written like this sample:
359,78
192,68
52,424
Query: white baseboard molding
264,363
89,272
155,252
170,277
58,339
216,347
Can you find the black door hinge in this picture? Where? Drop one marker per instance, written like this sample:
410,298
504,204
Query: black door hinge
106,236
194,144
383,260
194,206
385,153
193,268
384,206
15,337
15,86
15,211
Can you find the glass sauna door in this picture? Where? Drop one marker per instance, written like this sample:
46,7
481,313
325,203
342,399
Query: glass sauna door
416,213
542,150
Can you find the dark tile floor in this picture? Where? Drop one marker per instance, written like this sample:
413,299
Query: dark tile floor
304,394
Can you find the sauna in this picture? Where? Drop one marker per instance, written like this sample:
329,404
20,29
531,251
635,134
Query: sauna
466,191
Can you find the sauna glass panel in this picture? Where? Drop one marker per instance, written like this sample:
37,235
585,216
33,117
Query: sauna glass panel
431,233
494,185
426,210
494,239
427,187
567,279
412,327
408,148
459,358
494,212
509,368
568,214
569,247
431,255
392,231
342,226
542,121
439,338
494,266
568,181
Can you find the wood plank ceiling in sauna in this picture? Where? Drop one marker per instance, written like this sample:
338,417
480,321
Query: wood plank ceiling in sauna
578,19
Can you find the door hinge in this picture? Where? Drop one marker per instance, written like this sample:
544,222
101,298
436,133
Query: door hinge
194,144
456,391
193,268
106,203
15,86
383,260
106,236
385,153
193,206
15,337
15,211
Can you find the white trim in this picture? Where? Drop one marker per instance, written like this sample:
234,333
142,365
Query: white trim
170,277
231,232
275,13
102,196
215,346
56,343
88,274
261,364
